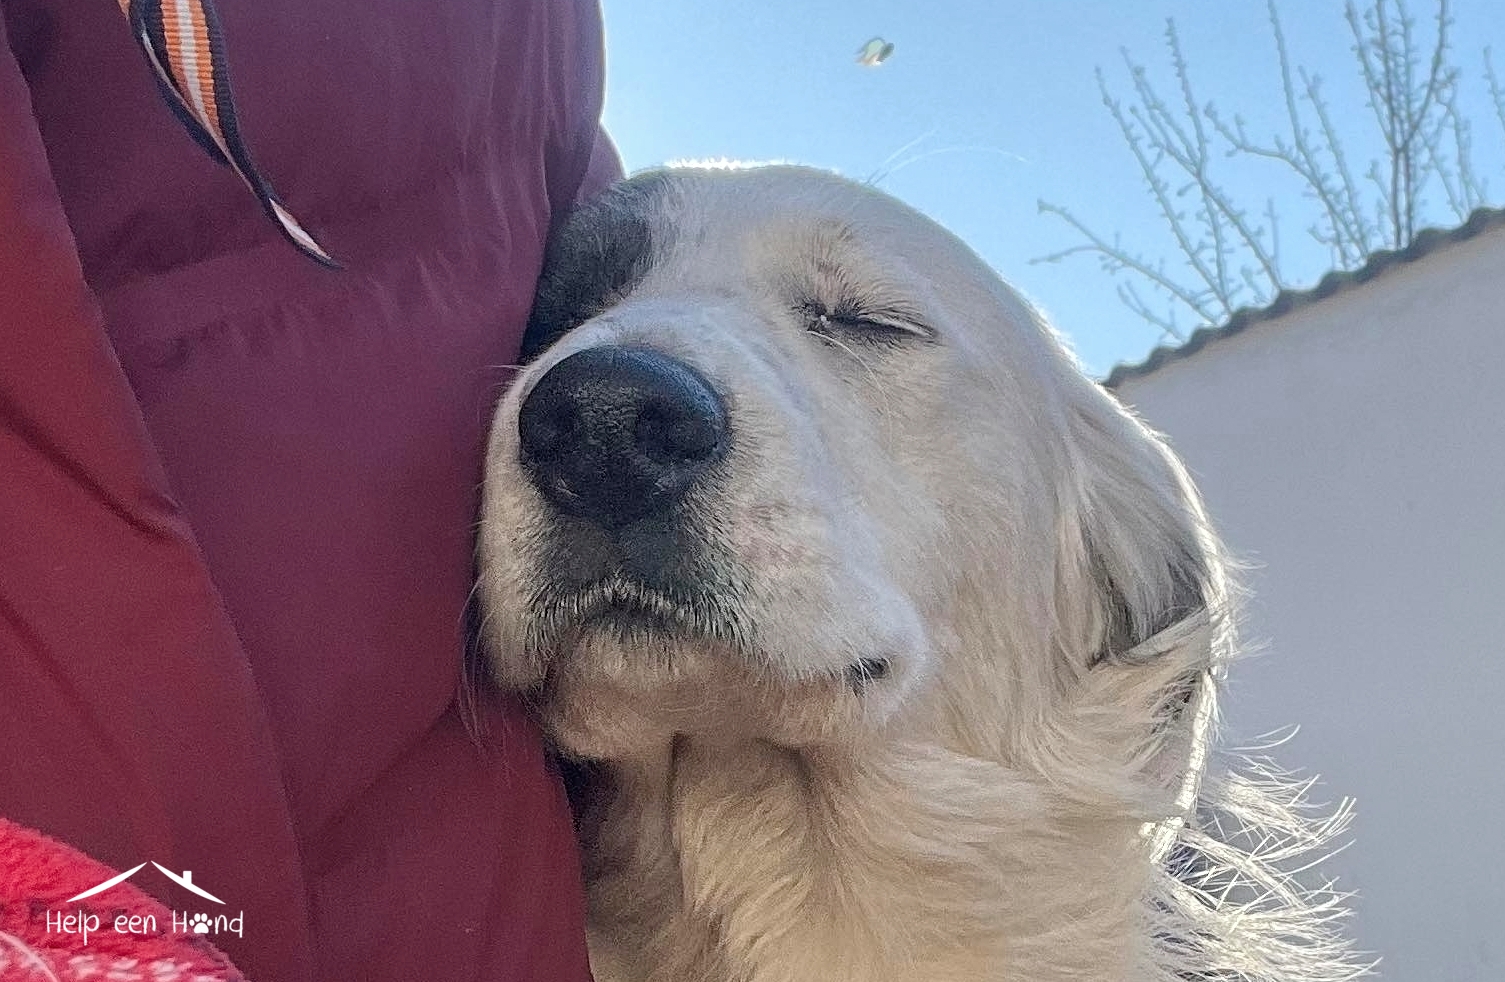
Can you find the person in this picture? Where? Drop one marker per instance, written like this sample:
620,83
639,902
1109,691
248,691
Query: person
238,488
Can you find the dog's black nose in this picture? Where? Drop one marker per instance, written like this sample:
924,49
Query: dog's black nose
616,434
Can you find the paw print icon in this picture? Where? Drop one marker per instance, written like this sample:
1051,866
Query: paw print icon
199,923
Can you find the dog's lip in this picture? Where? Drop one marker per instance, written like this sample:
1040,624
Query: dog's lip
629,614
698,613
623,603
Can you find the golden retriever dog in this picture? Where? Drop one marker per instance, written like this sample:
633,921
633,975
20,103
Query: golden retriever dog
885,641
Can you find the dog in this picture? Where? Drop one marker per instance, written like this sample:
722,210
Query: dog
885,644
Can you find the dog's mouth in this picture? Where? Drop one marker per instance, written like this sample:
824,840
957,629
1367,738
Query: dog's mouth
632,612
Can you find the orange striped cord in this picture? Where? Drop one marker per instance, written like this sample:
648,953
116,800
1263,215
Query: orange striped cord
183,43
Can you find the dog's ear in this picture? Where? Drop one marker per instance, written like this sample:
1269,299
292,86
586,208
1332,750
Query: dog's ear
1142,603
1141,611
1144,558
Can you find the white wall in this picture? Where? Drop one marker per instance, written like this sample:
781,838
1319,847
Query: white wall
1355,450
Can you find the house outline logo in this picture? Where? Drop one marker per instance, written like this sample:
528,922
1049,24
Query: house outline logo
82,921
185,881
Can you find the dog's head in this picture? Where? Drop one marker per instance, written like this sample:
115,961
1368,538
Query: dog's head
788,462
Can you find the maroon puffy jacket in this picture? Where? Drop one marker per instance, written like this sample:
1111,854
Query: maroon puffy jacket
237,489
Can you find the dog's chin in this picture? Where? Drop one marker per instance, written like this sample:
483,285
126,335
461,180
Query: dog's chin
627,687
618,669
611,657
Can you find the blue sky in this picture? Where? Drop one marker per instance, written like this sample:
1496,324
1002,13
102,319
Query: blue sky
988,106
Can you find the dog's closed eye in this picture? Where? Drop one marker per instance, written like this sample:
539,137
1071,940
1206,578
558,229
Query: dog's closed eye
870,328
867,671
866,325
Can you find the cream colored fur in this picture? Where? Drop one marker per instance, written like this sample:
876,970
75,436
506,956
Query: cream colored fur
1020,800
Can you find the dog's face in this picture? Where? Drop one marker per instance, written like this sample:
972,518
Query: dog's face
789,463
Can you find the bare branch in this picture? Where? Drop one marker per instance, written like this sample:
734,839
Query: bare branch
1225,257
1134,302
1496,91
1162,134
1114,257
1189,149
1462,187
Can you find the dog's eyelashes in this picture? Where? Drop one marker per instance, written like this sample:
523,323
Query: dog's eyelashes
872,329
867,671
863,326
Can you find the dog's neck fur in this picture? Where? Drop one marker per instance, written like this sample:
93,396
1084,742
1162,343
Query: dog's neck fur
937,853
756,863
